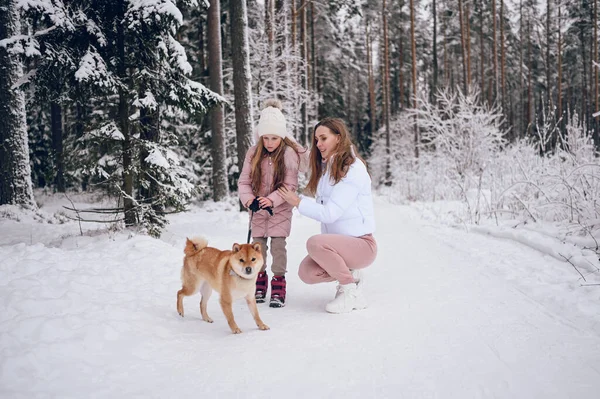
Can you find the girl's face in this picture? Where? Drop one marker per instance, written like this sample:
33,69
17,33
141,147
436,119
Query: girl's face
271,142
326,141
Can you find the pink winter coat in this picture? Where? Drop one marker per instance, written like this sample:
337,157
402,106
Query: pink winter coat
263,224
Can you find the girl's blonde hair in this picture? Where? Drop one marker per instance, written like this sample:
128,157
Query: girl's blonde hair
339,162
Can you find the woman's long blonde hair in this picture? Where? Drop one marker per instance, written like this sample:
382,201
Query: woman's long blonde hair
340,161
278,160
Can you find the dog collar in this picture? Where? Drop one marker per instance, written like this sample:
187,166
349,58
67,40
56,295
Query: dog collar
233,273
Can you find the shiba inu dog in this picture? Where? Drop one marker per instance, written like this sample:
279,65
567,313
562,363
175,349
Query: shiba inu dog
231,273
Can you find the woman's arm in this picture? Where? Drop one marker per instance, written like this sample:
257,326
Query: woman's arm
343,195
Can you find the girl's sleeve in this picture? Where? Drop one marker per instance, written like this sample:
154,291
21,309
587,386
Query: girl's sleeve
290,180
245,181
343,195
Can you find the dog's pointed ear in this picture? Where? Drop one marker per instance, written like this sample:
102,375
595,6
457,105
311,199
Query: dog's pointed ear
256,246
236,247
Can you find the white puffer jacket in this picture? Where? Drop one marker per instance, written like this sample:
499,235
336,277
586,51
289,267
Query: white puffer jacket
343,208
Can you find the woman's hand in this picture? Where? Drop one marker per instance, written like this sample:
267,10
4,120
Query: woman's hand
289,196
265,202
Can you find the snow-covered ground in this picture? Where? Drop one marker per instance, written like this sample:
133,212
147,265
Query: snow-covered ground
486,312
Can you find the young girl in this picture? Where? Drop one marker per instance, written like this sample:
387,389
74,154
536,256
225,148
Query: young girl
270,164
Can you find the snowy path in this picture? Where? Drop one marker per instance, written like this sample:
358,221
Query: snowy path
452,315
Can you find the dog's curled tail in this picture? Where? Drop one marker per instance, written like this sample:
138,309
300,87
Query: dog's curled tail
194,245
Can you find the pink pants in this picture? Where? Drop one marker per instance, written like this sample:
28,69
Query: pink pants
331,256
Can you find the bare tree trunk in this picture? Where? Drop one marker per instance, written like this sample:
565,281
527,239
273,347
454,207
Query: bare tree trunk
371,80
446,57
597,66
468,38
548,43
435,56
521,83
294,16
495,52
414,72
219,170
559,62
15,172
584,84
482,50
313,57
123,120
386,93
271,83
462,43
401,61
305,73
529,74
502,58
241,78
57,145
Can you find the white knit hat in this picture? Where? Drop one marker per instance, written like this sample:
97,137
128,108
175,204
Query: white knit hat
272,120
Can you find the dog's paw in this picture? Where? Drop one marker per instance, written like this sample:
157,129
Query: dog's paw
208,319
180,313
236,330
263,327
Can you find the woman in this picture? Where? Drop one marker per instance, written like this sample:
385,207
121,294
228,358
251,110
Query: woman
344,206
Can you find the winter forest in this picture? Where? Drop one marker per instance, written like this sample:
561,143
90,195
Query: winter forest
494,103
124,126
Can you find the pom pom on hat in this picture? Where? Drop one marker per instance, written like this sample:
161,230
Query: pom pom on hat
272,120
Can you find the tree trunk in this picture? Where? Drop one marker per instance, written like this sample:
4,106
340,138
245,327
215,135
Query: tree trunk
462,42
371,80
502,58
401,60
596,73
15,171
386,93
219,170
559,62
468,38
435,56
529,75
57,145
123,122
495,53
482,50
304,73
271,83
241,78
414,71
313,57
548,43
521,83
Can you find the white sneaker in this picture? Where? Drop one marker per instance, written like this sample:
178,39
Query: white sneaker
358,279
348,298
358,276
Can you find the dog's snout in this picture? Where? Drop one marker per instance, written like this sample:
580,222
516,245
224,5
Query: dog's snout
248,270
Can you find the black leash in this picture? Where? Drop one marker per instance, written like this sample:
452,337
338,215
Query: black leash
250,227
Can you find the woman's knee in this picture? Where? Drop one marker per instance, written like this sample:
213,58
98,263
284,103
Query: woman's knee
304,273
313,244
